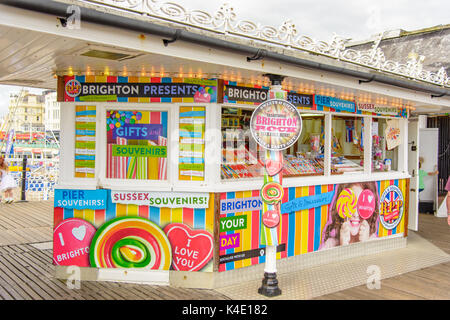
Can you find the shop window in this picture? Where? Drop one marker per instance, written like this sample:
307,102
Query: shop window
306,156
347,144
136,144
385,154
241,156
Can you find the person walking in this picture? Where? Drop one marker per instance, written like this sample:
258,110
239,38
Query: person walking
423,173
447,187
7,183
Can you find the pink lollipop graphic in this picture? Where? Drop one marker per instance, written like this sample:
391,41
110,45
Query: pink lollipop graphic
366,204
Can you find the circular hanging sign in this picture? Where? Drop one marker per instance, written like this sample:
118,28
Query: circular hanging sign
271,218
276,124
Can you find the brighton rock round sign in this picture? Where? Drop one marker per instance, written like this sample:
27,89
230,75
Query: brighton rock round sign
276,124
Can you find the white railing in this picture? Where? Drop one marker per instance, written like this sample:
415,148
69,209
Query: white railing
41,178
224,21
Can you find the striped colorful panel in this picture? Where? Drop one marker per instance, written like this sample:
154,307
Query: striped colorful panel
200,219
192,125
300,232
151,168
85,133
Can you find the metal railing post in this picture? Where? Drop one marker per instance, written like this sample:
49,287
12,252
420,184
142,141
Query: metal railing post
24,178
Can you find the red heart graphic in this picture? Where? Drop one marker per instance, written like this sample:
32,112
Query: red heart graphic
191,249
273,167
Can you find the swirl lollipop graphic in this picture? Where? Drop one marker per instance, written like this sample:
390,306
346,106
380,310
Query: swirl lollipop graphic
346,203
130,242
272,192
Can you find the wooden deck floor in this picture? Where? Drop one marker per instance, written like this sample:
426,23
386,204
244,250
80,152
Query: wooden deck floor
429,283
26,272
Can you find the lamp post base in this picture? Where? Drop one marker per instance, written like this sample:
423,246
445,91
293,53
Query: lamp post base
269,287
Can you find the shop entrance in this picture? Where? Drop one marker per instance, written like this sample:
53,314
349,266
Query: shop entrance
413,168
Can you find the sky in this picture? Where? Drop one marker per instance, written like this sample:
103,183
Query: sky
319,19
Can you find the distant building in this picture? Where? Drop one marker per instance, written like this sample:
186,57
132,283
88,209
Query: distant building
52,115
26,113
427,46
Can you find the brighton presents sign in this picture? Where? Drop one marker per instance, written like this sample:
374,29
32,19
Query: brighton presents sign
335,103
259,95
198,200
198,89
80,199
276,124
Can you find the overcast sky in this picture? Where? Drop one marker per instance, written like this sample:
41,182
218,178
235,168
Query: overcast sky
319,19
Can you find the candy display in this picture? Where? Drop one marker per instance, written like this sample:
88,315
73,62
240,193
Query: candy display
343,165
272,192
346,203
251,167
295,166
130,242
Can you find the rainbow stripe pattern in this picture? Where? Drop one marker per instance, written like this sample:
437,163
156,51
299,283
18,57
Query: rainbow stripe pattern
202,219
300,232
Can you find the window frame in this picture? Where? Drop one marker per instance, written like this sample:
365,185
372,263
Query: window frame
126,184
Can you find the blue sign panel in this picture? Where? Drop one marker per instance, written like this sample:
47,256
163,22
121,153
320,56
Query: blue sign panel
139,131
307,202
81,199
335,103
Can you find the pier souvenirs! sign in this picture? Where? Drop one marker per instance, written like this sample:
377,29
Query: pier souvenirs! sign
276,124
107,229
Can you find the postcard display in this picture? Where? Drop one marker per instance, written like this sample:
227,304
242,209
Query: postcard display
197,231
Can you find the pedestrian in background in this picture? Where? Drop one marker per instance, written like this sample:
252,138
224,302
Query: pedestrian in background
7,183
447,187
423,173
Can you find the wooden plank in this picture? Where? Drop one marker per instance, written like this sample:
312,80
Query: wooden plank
44,284
35,290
